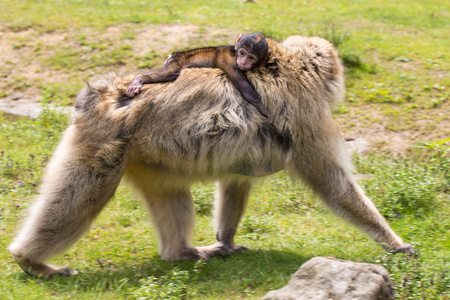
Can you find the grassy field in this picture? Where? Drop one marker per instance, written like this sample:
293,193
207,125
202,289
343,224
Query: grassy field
397,59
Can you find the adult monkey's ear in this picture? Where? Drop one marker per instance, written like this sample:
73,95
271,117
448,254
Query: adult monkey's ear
237,40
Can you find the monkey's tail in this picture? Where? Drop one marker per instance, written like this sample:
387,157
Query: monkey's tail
92,93
88,97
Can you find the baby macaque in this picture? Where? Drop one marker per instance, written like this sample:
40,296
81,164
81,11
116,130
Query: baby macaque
248,52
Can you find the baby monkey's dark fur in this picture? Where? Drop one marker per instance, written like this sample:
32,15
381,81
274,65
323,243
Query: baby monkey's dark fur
248,52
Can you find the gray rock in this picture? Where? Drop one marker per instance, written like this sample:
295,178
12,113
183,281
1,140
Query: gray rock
330,278
358,145
16,96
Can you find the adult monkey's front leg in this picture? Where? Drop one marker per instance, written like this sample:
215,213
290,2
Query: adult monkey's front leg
231,201
79,181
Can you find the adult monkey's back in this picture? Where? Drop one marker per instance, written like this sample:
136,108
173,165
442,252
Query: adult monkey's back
198,128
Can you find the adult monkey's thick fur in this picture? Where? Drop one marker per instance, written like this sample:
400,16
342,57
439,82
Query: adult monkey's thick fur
198,128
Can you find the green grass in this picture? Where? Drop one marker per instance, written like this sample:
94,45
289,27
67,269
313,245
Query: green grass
397,60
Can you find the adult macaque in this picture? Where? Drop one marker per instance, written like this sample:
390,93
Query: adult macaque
197,129
248,52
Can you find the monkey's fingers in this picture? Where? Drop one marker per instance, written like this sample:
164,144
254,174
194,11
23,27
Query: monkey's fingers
133,91
129,92
239,248
404,248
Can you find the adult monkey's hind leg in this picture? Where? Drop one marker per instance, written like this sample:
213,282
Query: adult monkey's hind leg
327,171
171,207
231,201
78,182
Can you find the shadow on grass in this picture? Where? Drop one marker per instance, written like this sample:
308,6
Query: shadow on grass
254,268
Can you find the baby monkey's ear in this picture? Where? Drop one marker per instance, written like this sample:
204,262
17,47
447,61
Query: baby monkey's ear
237,40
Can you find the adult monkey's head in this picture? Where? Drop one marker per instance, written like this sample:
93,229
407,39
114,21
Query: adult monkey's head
251,50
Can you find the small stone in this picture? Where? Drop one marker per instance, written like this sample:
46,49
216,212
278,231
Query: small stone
330,278
16,96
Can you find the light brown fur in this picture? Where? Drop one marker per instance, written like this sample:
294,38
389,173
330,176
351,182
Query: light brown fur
198,128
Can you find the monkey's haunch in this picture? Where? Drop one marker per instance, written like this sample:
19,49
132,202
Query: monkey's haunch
198,128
